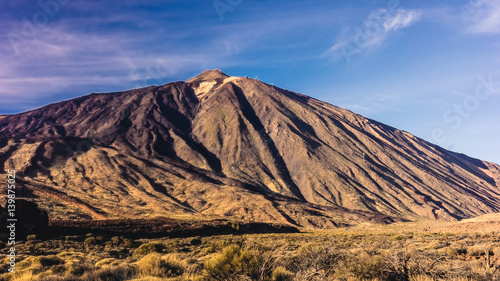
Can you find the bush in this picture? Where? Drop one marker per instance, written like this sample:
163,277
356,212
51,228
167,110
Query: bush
155,265
235,226
118,273
366,266
475,251
39,262
150,247
232,263
281,274
315,260
76,269
90,241
106,262
437,245
452,251
116,241
31,237
398,237
50,278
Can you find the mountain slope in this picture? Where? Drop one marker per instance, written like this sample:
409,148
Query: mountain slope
220,146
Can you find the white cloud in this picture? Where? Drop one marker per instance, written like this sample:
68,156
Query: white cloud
58,61
76,55
379,25
483,16
401,19
66,58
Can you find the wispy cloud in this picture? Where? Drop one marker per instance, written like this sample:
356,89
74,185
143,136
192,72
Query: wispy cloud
70,56
400,19
483,16
117,51
61,59
378,26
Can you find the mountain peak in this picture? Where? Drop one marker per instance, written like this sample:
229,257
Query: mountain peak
206,81
208,75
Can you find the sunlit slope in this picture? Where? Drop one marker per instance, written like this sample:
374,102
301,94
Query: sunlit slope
220,146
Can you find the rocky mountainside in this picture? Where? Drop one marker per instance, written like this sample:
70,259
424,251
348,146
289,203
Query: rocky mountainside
234,147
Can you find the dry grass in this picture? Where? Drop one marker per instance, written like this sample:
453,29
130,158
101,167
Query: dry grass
360,253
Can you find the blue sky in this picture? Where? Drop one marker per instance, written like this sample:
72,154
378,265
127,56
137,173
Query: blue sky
427,67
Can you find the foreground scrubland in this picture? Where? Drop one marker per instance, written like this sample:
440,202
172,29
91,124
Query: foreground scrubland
403,252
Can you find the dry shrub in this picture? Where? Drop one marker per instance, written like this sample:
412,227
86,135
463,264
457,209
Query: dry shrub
77,269
231,263
456,249
435,245
364,265
334,256
90,241
116,240
23,276
151,247
280,273
314,262
398,237
236,263
157,266
42,261
31,277
475,251
106,262
193,272
118,273
71,256
39,264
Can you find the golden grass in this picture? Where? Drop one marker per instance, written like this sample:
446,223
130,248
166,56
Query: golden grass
366,252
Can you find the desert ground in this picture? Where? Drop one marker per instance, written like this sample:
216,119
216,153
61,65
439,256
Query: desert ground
423,250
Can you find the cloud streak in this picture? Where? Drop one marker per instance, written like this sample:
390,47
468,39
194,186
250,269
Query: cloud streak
378,26
127,49
59,59
483,16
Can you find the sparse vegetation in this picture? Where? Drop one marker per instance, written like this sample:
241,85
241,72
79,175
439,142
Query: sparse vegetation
348,254
157,265
150,247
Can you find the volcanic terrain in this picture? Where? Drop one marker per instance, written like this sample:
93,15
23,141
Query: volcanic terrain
217,146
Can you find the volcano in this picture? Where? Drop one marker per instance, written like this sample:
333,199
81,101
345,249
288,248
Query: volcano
218,146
